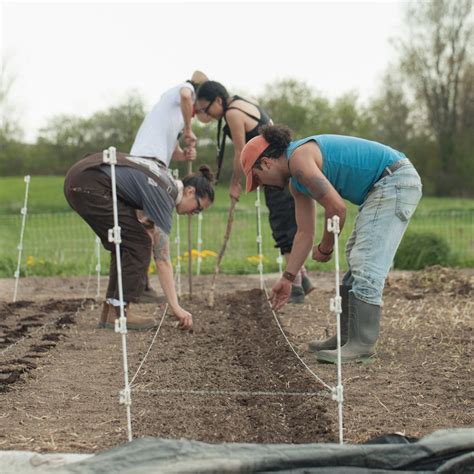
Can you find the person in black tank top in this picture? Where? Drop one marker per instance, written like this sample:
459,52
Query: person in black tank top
240,120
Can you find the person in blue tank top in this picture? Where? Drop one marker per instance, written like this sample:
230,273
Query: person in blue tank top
330,169
240,119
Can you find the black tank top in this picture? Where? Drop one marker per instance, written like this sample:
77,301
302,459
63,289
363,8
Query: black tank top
263,120
221,135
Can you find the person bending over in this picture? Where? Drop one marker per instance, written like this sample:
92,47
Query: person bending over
242,120
142,184
330,169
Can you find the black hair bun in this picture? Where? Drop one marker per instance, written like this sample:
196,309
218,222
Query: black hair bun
279,136
206,173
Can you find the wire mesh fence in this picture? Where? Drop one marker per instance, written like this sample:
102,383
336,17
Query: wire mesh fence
62,243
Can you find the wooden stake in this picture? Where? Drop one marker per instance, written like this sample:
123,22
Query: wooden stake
230,220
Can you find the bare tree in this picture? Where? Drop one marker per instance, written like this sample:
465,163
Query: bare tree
435,57
9,128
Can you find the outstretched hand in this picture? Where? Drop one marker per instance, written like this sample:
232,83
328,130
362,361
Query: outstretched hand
235,190
184,317
280,293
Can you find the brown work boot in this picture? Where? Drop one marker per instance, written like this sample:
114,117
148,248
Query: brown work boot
134,323
103,315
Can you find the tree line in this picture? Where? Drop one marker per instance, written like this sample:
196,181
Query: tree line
423,107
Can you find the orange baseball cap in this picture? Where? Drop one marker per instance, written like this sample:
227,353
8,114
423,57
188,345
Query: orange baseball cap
249,155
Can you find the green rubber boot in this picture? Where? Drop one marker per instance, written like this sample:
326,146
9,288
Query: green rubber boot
364,324
331,342
297,295
307,284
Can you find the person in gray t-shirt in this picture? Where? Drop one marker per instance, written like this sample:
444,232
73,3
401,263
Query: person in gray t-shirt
88,191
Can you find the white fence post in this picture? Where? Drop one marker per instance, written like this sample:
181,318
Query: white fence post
335,306
110,157
97,267
199,244
178,246
24,211
259,239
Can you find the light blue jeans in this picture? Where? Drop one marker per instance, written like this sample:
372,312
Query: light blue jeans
378,231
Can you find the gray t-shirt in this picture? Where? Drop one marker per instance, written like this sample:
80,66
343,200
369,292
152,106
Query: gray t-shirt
141,192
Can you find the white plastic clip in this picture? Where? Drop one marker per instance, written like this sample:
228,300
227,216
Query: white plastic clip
337,393
333,225
121,325
109,156
23,211
335,304
124,397
114,235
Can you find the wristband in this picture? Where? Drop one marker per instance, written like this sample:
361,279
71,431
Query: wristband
288,276
324,253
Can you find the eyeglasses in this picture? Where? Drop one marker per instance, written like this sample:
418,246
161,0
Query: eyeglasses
205,110
199,208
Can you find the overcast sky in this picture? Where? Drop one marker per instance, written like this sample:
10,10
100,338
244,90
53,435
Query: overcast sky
77,58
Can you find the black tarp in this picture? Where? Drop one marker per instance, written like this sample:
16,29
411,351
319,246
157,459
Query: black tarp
444,451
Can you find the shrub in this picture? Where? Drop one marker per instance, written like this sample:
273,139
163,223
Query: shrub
421,250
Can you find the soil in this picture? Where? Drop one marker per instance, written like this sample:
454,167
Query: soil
235,377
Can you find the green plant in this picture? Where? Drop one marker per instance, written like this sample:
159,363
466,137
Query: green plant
422,249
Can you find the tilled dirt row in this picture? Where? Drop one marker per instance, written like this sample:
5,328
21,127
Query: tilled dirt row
28,331
69,402
65,397
236,347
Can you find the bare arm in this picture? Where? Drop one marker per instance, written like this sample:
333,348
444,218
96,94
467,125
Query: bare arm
236,122
165,275
306,171
305,214
186,97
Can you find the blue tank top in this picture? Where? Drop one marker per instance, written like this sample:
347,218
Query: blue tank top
352,165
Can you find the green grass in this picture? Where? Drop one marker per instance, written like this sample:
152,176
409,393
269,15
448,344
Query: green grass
58,242
46,195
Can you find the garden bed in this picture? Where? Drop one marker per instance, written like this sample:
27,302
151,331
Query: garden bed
234,378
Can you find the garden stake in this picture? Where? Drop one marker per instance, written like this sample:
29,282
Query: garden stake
335,306
190,243
109,156
230,220
23,211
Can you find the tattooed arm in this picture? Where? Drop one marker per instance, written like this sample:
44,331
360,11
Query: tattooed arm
304,167
165,274
305,213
